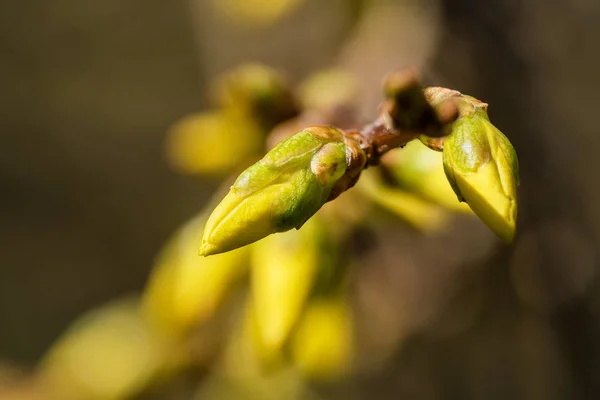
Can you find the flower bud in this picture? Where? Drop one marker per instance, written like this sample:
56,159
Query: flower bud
257,91
212,142
108,353
329,89
254,13
419,169
284,189
416,211
185,290
482,167
323,345
284,269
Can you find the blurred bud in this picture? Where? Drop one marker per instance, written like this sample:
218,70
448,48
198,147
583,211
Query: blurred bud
241,372
255,13
413,209
212,142
109,353
421,170
284,189
246,355
185,289
323,345
284,268
257,91
329,89
482,167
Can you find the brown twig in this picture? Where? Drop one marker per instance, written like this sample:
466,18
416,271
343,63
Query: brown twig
404,115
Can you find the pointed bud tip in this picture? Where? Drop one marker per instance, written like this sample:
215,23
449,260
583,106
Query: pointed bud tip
207,249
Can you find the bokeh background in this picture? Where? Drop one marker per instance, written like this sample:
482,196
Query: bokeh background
89,89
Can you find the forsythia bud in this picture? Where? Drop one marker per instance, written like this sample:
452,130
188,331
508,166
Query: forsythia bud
284,189
323,345
421,214
328,89
482,167
186,290
255,13
284,269
109,353
420,169
212,142
257,91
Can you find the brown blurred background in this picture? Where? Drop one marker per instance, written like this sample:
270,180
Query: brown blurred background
90,87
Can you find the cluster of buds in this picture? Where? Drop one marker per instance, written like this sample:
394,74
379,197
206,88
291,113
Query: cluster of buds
247,103
299,175
297,307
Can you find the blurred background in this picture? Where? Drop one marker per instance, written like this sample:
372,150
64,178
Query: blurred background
88,197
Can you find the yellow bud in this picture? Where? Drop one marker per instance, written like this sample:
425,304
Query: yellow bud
212,142
242,373
482,167
186,289
421,170
323,345
411,208
108,354
328,89
255,13
284,269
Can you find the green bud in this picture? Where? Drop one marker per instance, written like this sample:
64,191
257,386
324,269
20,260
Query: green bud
284,189
257,91
482,167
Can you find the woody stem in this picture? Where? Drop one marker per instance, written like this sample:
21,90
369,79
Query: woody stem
405,115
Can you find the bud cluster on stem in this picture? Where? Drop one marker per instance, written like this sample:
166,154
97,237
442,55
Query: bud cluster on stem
405,114
314,166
